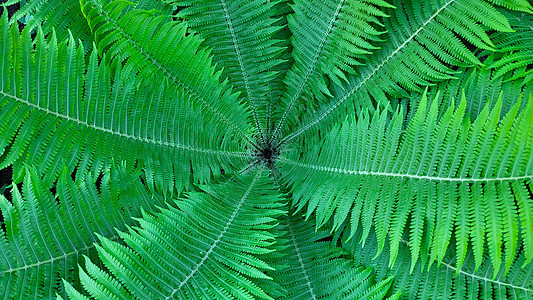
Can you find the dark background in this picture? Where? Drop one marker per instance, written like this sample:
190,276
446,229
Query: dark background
6,174
10,9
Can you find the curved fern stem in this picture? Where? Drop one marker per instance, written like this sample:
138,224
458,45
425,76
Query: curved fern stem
373,71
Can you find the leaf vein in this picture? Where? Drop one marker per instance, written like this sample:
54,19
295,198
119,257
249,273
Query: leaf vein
403,175
125,135
367,77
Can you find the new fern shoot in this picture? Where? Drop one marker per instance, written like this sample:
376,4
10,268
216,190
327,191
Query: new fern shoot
256,149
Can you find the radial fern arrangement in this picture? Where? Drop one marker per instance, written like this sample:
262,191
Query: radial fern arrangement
255,149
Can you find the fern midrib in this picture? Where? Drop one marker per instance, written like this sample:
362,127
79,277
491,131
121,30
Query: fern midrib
310,70
217,240
244,71
520,20
477,277
374,71
300,260
124,135
167,73
250,167
53,259
401,175
493,281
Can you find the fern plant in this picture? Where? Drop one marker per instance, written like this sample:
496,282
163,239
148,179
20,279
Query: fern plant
291,149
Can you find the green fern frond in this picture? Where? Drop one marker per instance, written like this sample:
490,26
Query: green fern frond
283,11
516,5
486,84
434,172
329,39
160,50
429,38
480,87
64,17
209,247
64,112
241,36
313,269
47,234
444,280
292,132
517,53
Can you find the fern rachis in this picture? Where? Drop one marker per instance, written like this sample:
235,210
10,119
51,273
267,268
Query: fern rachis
249,149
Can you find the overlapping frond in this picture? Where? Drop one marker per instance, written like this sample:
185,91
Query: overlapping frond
209,247
480,86
46,235
329,39
283,11
241,34
425,40
516,49
446,176
330,96
444,281
159,50
313,269
64,17
64,112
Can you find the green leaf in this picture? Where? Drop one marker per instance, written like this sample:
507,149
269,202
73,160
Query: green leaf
404,127
313,269
47,234
208,246
242,36
63,111
444,280
329,38
161,51
434,162
419,52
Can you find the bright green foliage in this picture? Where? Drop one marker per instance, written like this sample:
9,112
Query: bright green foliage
518,51
76,113
290,149
232,37
65,18
444,280
208,247
316,270
44,240
161,52
487,84
479,87
385,176
329,38
421,49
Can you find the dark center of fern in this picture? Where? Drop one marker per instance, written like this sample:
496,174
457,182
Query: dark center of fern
268,154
